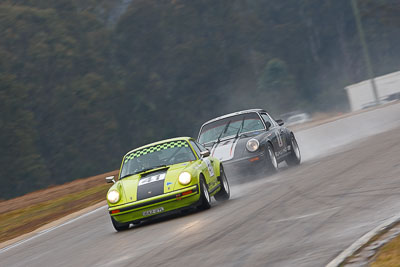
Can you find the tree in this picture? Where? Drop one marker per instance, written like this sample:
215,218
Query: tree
277,87
22,169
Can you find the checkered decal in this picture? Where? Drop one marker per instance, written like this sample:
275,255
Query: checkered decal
147,150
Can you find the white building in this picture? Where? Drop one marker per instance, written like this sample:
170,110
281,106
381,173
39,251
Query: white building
361,94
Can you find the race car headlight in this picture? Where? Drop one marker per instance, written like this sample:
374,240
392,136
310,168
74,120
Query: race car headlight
252,145
185,178
113,196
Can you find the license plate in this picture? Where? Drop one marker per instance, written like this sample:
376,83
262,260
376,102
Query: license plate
153,211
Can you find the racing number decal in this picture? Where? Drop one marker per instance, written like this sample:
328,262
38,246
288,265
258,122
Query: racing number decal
209,167
151,179
278,135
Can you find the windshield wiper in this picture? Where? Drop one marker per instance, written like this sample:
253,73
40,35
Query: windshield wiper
223,131
151,168
143,170
240,128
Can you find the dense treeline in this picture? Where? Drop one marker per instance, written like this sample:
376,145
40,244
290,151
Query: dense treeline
84,81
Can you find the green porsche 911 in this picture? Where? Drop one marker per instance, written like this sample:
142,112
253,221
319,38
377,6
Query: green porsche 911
164,177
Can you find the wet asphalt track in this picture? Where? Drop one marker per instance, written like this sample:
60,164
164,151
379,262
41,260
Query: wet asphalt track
303,216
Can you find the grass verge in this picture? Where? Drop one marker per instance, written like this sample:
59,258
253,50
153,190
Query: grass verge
388,255
25,214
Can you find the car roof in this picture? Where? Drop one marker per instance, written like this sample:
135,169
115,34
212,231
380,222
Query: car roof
234,114
184,138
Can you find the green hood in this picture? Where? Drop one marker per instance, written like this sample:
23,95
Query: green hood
128,187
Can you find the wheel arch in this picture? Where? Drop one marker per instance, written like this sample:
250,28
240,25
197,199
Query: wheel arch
289,137
201,176
270,143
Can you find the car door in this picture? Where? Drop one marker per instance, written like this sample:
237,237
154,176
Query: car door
277,134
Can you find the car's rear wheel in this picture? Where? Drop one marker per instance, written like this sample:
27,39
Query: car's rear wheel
205,198
119,226
272,163
225,191
294,157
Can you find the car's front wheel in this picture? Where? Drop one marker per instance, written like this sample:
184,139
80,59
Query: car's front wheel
272,163
205,198
119,226
225,191
294,157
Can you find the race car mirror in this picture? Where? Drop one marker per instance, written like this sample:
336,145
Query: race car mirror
110,179
205,153
280,122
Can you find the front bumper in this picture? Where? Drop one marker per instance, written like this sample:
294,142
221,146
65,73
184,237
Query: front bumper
244,169
167,202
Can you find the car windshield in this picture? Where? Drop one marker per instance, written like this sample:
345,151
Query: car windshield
156,156
231,126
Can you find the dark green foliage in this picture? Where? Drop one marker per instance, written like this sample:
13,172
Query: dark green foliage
22,168
84,81
65,105
277,86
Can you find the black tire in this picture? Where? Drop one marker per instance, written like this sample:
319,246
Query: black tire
294,158
205,198
119,226
272,163
225,191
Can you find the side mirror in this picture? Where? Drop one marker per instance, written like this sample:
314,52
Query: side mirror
280,122
205,153
268,124
110,179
